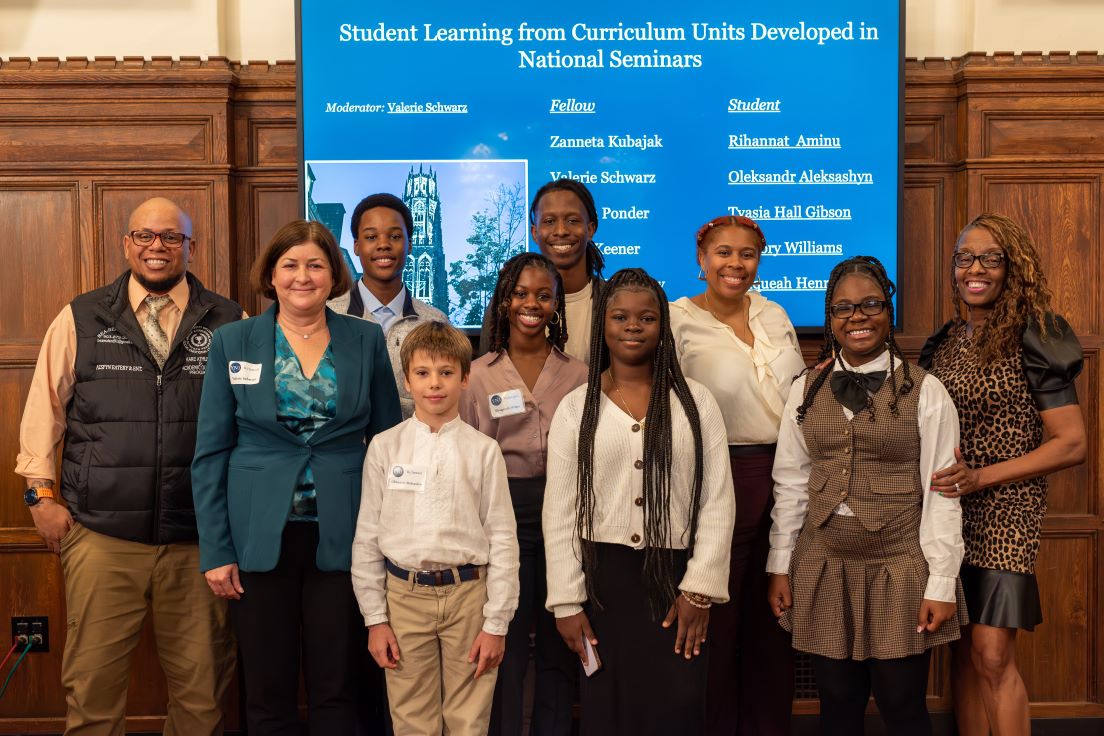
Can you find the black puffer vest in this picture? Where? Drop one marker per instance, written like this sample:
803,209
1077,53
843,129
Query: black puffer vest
130,431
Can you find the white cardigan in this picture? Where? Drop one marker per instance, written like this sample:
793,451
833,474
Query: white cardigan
618,483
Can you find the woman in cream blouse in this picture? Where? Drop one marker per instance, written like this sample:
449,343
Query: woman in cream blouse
743,348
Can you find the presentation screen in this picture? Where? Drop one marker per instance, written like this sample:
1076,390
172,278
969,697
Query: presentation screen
672,114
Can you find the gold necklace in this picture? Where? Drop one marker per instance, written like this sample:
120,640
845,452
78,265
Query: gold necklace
304,335
625,404
746,329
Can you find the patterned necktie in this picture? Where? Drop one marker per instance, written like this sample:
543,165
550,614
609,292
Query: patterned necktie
155,336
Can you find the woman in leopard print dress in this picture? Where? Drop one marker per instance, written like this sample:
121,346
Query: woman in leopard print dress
1010,367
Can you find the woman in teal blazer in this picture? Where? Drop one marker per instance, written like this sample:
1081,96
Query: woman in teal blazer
290,400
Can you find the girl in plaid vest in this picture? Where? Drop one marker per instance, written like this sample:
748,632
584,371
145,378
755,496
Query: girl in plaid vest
864,557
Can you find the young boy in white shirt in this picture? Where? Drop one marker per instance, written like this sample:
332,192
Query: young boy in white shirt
435,557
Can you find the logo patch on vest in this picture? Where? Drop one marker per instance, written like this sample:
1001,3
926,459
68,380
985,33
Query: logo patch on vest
198,340
111,336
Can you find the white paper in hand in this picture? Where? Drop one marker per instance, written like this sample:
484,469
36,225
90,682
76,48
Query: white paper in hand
593,664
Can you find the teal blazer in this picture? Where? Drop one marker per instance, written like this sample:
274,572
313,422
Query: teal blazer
246,464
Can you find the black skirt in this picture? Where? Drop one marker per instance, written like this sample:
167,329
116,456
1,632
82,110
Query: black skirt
1001,598
643,686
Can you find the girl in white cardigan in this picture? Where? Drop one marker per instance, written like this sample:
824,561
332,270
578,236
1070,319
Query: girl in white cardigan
638,517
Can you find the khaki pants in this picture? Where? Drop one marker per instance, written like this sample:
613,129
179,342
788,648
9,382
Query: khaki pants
110,584
433,688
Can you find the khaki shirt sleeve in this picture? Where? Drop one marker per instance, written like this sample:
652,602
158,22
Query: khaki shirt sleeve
43,424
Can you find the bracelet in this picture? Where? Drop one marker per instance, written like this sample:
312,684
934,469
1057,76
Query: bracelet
697,600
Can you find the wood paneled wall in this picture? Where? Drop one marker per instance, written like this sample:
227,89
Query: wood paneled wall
82,141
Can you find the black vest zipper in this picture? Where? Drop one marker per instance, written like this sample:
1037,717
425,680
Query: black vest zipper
157,469
160,430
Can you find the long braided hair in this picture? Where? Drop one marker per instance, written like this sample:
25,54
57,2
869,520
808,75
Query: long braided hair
595,262
1025,297
871,268
504,291
659,565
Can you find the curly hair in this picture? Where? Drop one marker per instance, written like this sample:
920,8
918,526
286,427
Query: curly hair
1025,296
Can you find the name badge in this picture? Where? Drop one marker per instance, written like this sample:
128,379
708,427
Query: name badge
246,373
507,403
406,478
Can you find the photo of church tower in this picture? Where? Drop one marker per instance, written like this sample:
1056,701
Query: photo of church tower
468,217
425,274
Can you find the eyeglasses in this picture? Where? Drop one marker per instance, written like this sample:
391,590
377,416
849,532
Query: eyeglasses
988,260
870,308
169,238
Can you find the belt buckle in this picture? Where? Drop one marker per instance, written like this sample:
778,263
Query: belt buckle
436,575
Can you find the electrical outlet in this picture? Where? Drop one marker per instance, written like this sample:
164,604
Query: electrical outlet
35,628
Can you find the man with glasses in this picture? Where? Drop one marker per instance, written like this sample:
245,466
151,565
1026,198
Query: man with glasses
118,379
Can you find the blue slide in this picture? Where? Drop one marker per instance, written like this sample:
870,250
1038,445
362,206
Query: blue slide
671,113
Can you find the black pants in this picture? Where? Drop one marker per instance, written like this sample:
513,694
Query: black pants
900,690
751,663
556,666
297,612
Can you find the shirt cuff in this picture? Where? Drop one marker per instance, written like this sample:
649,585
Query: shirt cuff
940,588
34,467
569,609
496,626
778,561
375,618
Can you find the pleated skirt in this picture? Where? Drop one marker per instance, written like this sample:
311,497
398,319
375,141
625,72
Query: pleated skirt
857,593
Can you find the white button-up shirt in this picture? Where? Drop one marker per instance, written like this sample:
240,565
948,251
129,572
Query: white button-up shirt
941,517
463,515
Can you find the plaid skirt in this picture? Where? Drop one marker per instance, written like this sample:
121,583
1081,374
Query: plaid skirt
857,593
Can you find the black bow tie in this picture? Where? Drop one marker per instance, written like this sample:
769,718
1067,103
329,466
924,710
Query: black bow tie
851,388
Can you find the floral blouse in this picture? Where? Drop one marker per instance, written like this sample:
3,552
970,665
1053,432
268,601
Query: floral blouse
302,406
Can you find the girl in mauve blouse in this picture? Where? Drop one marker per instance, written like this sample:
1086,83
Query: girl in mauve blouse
512,395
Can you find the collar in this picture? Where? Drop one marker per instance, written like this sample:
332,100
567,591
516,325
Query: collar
881,363
504,355
136,293
371,303
758,302
448,426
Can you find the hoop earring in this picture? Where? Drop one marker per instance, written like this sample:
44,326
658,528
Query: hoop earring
701,274
554,320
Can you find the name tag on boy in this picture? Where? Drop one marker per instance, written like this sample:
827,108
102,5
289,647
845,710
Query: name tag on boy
406,478
507,403
242,372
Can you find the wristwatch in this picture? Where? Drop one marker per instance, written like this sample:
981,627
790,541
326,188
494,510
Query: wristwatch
32,496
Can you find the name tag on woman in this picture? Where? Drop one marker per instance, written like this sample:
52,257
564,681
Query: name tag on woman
506,403
242,372
406,478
